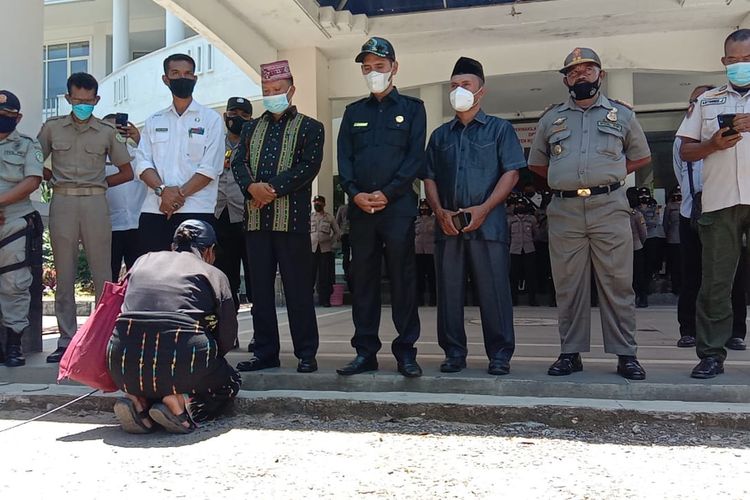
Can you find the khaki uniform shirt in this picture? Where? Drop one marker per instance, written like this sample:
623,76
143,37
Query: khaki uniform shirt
638,227
20,157
587,147
523,231
79,151
323,231
424,234
230,195
725,174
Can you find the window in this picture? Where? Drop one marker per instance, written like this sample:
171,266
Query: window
209,57
60,61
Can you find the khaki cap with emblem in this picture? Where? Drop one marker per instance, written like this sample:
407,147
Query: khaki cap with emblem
580,55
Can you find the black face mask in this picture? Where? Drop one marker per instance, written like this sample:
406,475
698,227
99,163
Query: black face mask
584,90
182,87
425,211
8,124
318,207
234,124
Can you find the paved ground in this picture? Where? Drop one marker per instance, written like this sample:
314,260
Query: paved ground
537,345
274,457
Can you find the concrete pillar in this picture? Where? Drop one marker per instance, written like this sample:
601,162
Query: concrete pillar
21,61
120,33
176,29
433,98
310,70
23,75
620,87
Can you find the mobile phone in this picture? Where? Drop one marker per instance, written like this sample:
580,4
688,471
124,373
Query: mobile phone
461,220
727,120
121,120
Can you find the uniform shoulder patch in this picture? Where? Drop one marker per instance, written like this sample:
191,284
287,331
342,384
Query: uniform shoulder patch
39,156
622,103
120,138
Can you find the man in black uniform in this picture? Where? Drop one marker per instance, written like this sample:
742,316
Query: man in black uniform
380,152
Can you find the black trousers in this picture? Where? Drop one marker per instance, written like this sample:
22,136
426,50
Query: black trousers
373,237
323,269
523,268
125,246
674,269
156,232
654,248
230,253
426,278
640,275
346,254
690,260
487,263
291,253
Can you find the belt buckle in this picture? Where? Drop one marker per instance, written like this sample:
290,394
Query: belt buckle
584,192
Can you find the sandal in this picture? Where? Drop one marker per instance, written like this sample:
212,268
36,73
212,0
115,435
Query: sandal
131,420
171,422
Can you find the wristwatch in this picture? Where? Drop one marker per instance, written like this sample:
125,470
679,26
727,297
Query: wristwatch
159,190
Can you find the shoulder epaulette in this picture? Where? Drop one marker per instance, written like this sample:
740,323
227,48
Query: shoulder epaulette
412,98
358,101
59,117
24,136
108,124
622,103
549,108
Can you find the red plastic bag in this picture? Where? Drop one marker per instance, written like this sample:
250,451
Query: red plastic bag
85,359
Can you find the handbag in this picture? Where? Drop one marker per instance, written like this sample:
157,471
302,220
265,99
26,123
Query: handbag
85,359
697,209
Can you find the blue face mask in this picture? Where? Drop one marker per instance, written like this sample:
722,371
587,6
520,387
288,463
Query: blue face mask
83,111
739,74
276,104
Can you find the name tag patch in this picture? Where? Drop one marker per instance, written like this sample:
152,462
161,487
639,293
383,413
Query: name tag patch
612,125
360,124
162,129
713,101
196,131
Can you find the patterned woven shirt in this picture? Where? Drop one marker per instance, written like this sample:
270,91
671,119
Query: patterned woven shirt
287,155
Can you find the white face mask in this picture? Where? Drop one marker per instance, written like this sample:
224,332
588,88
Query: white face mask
462,99
377,82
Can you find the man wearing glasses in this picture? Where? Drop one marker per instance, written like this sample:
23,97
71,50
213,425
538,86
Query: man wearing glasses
79,144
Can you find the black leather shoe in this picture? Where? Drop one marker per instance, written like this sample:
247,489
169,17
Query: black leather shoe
708,368
308,365
13,352
2,354
453,365
56,356
629,368
566,364
360,364
409,368
641,301
686,341
499,367
736,344
251,345
255,364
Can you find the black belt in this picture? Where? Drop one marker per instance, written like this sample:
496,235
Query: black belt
586,192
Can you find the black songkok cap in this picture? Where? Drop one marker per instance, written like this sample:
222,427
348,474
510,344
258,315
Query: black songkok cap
468,66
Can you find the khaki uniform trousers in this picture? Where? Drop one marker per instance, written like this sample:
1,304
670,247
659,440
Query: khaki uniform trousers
15,297
73,219
585,232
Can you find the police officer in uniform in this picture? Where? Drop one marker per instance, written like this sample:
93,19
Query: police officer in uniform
380,153
21,170
79,144
585,147
324,232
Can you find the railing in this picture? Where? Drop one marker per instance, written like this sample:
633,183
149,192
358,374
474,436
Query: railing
137,87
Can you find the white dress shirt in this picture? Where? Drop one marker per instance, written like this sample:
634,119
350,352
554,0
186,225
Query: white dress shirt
125,200
726,173
178,147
